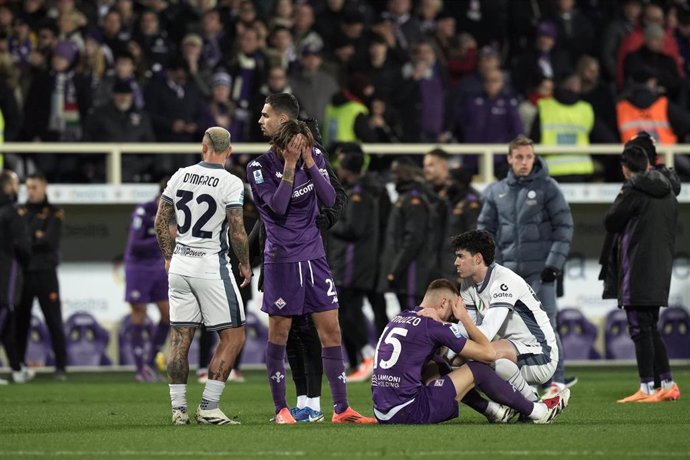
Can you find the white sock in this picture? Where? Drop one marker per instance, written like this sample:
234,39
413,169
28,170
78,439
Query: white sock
508,371
647,387
178,395
667,384
491,408
301,401
314,403
368,352
538,411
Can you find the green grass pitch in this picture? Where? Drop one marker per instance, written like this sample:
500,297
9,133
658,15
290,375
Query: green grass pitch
110,416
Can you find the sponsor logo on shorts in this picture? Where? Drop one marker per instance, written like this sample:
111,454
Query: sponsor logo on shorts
186,251
280,303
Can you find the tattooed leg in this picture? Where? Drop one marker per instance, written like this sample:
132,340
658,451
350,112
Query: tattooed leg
178,359
231,341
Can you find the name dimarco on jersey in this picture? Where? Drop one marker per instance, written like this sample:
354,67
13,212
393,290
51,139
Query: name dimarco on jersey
201,179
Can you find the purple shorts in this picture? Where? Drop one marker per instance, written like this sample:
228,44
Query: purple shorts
298,288
433,403
145,284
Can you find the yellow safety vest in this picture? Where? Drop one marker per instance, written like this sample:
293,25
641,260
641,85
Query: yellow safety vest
340,122
566,125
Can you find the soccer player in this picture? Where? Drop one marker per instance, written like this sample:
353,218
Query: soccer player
398,391
508,312
146,282
206,202
288,182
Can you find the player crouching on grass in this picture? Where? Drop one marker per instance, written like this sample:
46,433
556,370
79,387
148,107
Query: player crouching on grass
402,354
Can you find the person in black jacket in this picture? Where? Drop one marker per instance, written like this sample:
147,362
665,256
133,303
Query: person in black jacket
15,252
353,255
303,345
643,219
44,223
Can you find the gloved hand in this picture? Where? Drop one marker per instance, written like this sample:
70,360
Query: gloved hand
549,274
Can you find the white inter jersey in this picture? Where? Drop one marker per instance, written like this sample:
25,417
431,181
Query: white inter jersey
200,195
526,325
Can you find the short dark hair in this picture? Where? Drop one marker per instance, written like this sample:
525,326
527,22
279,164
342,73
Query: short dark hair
635,158
438,153
352,160
476,241
290,129
6,178
520,141
38,176
284,103
442,283
162,184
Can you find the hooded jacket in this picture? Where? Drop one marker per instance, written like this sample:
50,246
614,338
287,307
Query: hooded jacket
640,259
530,220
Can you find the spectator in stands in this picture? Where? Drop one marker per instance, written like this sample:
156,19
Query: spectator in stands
615,33
638,267
652,14
303,32
428,12
216,40
114,38
311,85
199,71
596,92
533,230
220,110
40,57
68,29
427,116
575,30
44,223
276,82
248,71
123,71
461,57
473,84
92,62
443,34
682,36
127,14
15,247
528,107
565,119
21,42
406,27
384,122
353,255
154,42
405,263
382,69
282,14
543,60
281,49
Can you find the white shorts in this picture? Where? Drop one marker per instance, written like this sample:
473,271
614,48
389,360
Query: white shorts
535,366
214,303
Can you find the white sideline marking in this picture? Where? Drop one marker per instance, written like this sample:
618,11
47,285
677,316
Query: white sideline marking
454,453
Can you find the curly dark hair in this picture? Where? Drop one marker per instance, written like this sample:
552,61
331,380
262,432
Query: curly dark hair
290,129
476,241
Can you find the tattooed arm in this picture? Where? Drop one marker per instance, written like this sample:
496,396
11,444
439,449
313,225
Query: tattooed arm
239,242
164,217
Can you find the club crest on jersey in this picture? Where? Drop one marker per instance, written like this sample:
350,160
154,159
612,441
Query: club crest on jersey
280,303
258,177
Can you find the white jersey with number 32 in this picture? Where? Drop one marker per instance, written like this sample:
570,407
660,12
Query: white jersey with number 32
200,195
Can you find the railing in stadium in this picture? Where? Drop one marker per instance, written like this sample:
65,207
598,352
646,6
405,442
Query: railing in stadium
114,152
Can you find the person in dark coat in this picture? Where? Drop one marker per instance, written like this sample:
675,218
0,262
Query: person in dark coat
353,255
643,219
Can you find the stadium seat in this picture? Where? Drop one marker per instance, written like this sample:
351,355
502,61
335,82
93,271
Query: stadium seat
674,326
125,352
617,341
86,341
39,350
577,335
257,337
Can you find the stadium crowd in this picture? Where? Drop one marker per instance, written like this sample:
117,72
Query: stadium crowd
371,71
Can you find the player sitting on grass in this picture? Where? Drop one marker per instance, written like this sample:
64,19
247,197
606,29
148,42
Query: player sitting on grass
398,391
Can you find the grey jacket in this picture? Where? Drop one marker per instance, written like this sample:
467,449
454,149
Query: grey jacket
530,220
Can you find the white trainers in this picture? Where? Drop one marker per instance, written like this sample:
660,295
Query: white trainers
236,376
554,390
23,375
180,417
213,417
4,382
554,407
504,414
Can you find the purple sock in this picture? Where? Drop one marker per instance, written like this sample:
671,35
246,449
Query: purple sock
334,368
137,341
275,365
158,339
475,401
498,389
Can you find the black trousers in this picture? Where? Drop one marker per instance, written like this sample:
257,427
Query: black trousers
378,304
44,285
353,325
303,351
650,350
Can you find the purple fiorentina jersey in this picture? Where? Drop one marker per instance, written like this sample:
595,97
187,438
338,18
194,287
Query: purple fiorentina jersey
142,246
294,236
401,353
